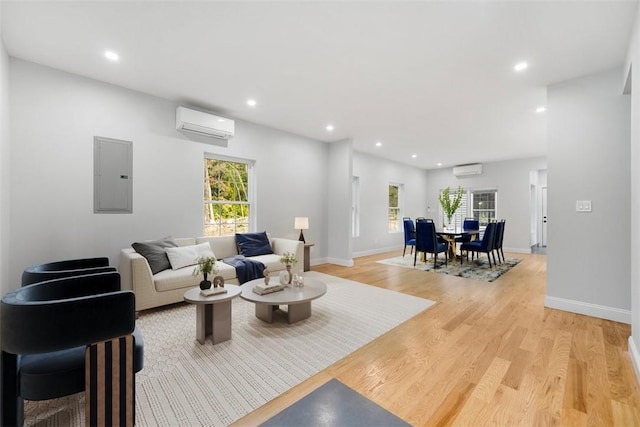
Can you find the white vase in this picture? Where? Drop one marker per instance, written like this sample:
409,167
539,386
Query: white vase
284,277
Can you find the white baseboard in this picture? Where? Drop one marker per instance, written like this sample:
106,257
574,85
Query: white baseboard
518,250
378,251
635,357
339,261
588,309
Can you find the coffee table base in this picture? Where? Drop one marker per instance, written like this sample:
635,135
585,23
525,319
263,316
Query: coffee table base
213,320
295,312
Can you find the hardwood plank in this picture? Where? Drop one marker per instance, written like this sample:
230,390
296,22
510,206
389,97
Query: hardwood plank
485,354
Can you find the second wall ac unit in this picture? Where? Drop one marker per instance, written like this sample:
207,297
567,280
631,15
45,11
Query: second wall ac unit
204,124
465,170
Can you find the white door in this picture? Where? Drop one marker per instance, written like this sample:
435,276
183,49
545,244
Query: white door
544,216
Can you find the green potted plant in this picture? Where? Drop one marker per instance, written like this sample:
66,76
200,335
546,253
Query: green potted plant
206,266
449,205
288,259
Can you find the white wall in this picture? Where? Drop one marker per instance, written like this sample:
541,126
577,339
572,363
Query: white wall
511,179
375,176
55,116
5,169
632,70
588,263
340,168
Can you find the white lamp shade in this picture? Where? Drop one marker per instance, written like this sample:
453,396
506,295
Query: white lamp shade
301,223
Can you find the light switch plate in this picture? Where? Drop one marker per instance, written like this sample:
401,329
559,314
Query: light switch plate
583,205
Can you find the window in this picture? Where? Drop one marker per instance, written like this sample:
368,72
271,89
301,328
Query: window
480,204
395,199
227,196
355,207
484,206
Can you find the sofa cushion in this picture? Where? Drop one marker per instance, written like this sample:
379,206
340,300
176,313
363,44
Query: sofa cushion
271,261
183,278
222,246
188,255
155,253
253,244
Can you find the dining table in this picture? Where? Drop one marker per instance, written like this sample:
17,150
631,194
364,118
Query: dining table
450,234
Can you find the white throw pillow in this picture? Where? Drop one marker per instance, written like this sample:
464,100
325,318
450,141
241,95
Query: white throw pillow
184,256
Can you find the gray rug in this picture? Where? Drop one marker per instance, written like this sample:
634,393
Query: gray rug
184,383
476,269
334,404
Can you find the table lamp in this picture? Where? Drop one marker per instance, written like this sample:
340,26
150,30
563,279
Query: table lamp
302,223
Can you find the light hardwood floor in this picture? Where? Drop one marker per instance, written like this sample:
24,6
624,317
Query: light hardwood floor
486,354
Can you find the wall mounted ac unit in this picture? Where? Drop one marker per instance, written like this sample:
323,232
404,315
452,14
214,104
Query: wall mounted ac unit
465,170
204,124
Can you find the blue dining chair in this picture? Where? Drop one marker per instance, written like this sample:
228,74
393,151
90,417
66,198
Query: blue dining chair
497,245
409,235
486,245
427,242
468,224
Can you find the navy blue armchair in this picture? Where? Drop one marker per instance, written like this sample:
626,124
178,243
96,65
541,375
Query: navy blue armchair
46,329
427,242
409,235
486,245
55,270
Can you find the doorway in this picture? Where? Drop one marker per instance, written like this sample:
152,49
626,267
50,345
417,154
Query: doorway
543,241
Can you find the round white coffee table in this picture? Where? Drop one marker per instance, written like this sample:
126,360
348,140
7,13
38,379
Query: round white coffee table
297,300
213,314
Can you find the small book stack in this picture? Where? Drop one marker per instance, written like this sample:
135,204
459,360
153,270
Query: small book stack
212,291
263,290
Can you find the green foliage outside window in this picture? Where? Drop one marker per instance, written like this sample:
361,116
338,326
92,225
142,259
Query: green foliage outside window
226,197
394,208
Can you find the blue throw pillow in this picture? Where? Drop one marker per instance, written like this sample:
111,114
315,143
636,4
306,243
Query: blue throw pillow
253,244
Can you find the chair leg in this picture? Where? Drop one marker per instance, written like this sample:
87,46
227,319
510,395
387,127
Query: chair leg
435,261
12,404
503,258
405,250
493,254
488,257
415,257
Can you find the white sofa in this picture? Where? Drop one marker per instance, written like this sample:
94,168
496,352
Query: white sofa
169,286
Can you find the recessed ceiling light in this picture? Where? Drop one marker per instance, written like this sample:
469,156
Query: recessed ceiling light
520,66
329,128
378,144
439,164
251,102
413,156
541,109
111,55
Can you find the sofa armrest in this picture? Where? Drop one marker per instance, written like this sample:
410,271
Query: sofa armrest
135,273
281,246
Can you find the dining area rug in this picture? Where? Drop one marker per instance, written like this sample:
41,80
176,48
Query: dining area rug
477,269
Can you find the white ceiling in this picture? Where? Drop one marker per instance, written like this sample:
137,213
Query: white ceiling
430,78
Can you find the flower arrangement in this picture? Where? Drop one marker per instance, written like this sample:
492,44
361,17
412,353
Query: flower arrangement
450,206
288,258
206,266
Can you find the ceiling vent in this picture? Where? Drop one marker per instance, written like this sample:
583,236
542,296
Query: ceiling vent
204,124
466,170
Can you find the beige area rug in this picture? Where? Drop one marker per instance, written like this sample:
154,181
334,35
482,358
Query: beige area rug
184,383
